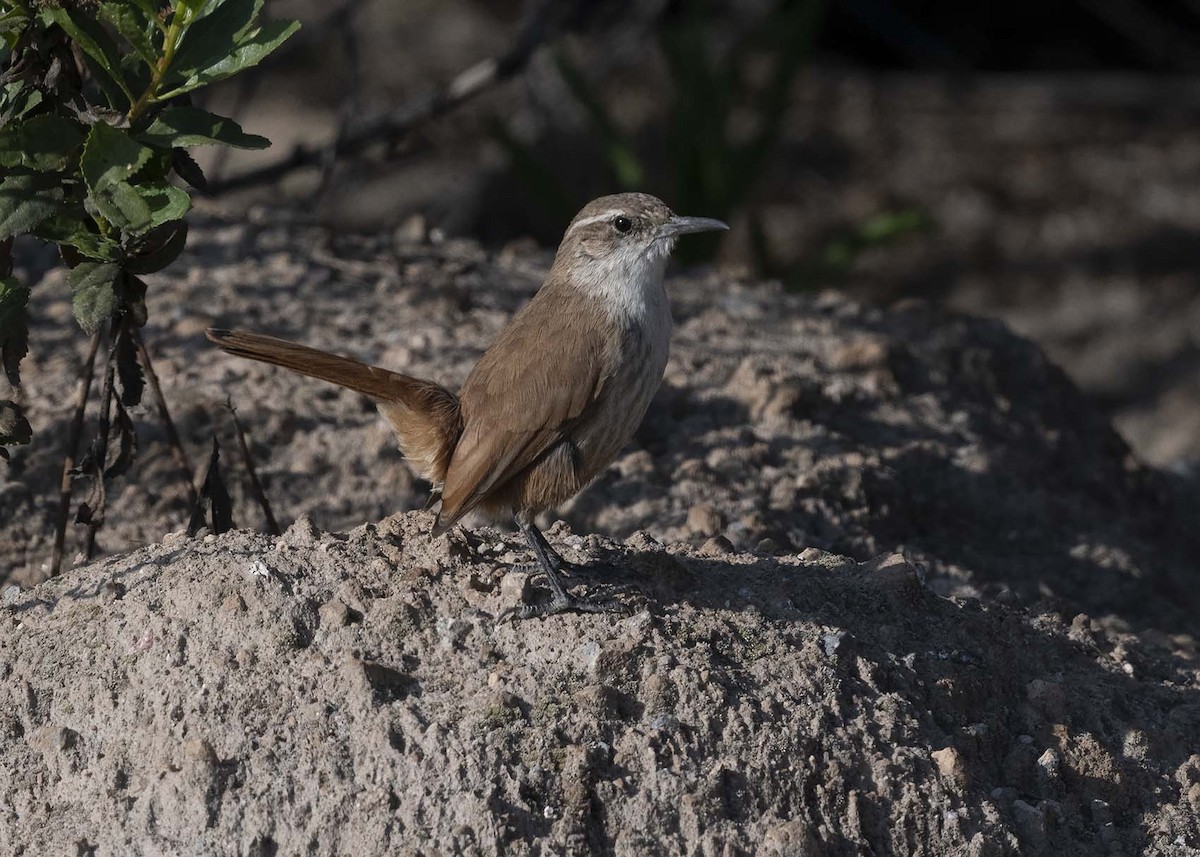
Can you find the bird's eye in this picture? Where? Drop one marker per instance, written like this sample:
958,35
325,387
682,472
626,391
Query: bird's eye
622,224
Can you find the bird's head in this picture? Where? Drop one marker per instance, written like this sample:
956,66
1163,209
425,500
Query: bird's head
623,240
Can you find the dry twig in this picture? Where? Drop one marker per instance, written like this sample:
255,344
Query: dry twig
388,127
82,391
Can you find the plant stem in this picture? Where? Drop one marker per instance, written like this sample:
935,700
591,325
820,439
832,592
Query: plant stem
64,496
170,43
181,459
100,449
255,484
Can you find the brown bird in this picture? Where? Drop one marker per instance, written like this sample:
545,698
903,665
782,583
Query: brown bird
555,397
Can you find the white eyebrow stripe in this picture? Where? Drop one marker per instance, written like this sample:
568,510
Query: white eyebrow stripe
595,218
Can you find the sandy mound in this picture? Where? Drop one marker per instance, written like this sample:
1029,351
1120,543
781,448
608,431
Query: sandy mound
1024,677
351,694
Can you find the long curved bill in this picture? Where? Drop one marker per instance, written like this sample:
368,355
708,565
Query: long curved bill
685,225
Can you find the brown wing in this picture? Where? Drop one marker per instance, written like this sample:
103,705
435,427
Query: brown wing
539,376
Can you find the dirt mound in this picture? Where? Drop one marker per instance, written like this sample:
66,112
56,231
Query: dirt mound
351,694
917,595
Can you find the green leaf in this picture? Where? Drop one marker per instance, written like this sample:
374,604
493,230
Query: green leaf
13,19
191,126
157,248
249,52
187,169
94,299
135,27
197,9
14,334
122,205
110,159
210,38
165,201
26,199
92,40
16,100
67,230
43,143
111,156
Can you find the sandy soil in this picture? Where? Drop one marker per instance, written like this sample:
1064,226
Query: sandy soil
894,583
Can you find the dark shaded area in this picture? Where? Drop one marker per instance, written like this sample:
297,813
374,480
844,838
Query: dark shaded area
1025,35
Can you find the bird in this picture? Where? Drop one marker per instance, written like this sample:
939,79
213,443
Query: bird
553,399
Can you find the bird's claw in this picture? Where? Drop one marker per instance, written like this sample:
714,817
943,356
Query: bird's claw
561,605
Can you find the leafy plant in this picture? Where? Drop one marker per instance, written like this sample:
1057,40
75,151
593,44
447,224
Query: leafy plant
95,123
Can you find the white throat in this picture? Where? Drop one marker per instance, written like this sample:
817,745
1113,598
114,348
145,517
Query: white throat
629,283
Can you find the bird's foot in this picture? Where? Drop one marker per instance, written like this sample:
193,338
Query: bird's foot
563,567
535,571
561,604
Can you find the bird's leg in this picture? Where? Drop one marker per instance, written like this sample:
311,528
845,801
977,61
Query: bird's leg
561,565
560,601
536,569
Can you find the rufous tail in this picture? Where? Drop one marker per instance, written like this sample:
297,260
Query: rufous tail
424,415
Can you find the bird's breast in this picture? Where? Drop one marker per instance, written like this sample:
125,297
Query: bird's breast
636,361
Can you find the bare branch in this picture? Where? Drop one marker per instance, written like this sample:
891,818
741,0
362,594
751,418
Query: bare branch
387,127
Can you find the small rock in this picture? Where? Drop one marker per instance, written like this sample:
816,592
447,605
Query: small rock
665,723
11,594
452,630
233,604
258,568
658,694
515,588
896,576
811,554
199,750
588,655
950,764
793,838
1048,774
143,643
1031,821
834,640
716,546
1048,762
175,538
334,614
769,547
301,533
639,622
643,541
599,701
52,739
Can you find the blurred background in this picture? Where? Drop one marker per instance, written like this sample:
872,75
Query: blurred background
1038,162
